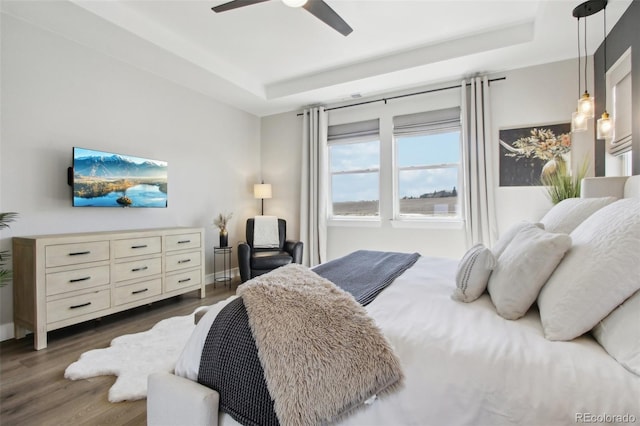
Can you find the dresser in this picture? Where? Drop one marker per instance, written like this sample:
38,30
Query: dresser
60,280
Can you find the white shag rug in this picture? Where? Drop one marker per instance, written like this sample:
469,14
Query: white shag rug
133,357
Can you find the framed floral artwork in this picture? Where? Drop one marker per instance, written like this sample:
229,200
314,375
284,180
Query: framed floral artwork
526,153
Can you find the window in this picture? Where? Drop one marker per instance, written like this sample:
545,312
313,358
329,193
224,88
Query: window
428,164
354,169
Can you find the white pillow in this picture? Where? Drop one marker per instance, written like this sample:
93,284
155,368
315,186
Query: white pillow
523,268
619,333
473,273
599,272
568,214
508,235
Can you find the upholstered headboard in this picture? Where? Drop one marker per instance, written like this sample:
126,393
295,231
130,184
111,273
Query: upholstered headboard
618,186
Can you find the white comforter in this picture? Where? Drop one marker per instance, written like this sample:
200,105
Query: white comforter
464,364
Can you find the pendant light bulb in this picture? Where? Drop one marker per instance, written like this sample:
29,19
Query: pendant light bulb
605,127
586,105
578,122
294,3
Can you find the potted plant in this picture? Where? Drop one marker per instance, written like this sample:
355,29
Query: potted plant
561,185
5,274
221,222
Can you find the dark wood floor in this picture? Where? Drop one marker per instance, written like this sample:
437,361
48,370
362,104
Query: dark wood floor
33,390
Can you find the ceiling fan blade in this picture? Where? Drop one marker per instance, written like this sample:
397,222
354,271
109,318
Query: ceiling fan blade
323,11
235,4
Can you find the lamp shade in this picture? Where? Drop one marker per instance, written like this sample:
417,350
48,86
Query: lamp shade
578,122
605,127
262,190
586,105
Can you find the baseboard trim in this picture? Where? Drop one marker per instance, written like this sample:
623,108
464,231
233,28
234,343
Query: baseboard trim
7,331
210,278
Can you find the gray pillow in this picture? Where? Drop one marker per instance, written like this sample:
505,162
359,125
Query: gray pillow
568,214
599,272
473,273
523,268
619,333
508,235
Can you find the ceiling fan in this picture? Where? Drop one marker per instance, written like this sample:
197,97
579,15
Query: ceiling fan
317,8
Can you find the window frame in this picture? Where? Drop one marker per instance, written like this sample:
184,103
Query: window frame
402,218
352,141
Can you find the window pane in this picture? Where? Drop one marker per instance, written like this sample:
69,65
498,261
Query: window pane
355,194
422,150
355,156
429,192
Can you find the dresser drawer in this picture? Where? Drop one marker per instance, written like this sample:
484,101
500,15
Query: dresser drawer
78,279
183,241
179,261
137,269
137,246
73,254
183,279
138,291
75,306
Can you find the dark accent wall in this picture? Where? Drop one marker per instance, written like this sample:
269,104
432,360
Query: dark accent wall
625,34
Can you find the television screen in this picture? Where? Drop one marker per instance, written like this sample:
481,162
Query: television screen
104,179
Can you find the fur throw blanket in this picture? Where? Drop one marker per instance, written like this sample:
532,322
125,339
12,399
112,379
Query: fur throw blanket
321,353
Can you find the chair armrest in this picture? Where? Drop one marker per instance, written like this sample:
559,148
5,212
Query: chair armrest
294,248
244,261
174,400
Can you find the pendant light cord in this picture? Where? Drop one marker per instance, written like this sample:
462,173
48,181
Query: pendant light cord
605,47
579,66
586,89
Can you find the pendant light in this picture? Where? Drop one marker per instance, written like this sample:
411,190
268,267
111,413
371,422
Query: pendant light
586,104
605,123
578,120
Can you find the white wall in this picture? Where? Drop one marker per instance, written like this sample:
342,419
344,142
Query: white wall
57,94
545,94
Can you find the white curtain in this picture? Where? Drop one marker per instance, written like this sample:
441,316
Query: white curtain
313,193
480,221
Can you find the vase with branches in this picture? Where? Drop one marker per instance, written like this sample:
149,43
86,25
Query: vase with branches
221,221
5,274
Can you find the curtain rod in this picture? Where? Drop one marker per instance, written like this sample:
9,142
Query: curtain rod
402,96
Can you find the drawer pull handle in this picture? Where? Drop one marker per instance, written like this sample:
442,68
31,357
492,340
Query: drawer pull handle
184,280
184,241
184,261
140,246
75,280
79,306
140,291
79,253
142,268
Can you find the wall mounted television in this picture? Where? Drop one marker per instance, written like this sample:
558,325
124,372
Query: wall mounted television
106,179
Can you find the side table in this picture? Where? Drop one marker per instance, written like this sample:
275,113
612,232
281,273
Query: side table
225,253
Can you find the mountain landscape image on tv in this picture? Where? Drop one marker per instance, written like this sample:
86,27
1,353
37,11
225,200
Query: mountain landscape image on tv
104,179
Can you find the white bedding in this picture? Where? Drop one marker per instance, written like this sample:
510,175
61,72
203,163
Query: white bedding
464,364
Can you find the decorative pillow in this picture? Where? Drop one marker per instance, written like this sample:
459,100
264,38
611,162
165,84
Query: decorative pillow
568,214
473,273
508,235
523,268
619,333
599,272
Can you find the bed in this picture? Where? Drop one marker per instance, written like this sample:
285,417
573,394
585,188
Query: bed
465,363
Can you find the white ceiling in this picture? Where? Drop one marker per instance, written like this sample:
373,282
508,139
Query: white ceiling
268,58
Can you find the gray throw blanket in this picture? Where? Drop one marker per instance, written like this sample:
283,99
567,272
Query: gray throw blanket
231,361
365,273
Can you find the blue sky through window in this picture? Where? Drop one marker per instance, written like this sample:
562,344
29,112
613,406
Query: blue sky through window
412,151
